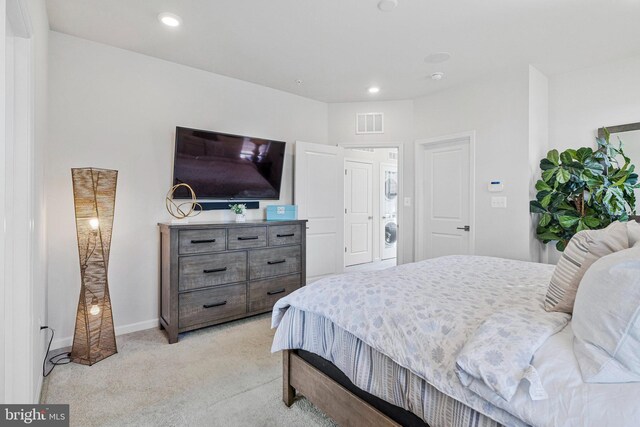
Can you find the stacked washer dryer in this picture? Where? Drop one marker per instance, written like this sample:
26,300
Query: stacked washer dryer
388,209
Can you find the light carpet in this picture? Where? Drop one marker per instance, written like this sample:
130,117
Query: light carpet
219,376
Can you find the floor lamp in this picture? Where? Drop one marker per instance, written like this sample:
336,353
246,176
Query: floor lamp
94,194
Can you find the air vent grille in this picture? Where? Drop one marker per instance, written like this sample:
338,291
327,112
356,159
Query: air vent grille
369,123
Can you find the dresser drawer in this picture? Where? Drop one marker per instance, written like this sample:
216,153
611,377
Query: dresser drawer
284,235
212,304
247,237
274,262
200,271
199,241
263,294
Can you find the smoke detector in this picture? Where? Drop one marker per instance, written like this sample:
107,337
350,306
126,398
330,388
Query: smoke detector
438,75
387,5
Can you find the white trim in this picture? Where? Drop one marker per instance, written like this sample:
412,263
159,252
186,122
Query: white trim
400,218
120,330
469,136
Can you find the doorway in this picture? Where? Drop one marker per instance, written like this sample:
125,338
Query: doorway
371,208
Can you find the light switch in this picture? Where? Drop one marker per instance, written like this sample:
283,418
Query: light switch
407,201
499,202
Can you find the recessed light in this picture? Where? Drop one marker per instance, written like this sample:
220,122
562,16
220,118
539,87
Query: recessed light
387,5
170,19
437,58
437,75
374,89
299,82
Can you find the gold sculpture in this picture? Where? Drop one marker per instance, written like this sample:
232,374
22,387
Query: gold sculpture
176,210
94,193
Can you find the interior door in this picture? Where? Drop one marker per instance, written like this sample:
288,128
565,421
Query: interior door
358,212
388,210
319,194
445,199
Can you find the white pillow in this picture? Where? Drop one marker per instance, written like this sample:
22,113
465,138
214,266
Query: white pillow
606,319
633,230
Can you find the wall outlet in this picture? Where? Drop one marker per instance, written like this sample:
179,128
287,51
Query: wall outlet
407,201
499,202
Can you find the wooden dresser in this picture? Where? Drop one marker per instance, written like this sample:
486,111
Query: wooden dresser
216,272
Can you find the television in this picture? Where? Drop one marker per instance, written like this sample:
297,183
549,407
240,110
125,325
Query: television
230,167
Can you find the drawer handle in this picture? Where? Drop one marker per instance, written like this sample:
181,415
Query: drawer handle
279,291
215,270
215,304
280,261
248,238
195,242
286,235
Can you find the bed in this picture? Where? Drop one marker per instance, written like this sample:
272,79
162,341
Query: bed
388,348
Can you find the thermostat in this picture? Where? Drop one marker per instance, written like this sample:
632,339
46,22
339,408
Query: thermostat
496,186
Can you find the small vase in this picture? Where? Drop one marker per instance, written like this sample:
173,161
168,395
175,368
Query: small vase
240,218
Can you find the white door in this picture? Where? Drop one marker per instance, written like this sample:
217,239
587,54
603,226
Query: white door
388,210
319,194
358,212
443,192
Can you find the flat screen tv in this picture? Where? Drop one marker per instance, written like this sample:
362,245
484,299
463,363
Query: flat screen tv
230,167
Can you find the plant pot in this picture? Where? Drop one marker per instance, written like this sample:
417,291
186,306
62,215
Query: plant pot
241,217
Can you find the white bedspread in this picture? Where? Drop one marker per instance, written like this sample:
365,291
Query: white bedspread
421,315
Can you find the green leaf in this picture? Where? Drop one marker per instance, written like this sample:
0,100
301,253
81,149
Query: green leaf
583,154
536,207
553,157
563,176
541,186
546,165
546,200
561,245
595,167
591,221
568,221
545,220
548,174
548,236
566,156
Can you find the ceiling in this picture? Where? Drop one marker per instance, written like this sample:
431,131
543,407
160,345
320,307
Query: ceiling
339,48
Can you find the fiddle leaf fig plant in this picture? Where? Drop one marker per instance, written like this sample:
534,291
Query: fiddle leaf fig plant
583,189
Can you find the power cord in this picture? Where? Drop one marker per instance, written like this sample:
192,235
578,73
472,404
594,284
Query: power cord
55,360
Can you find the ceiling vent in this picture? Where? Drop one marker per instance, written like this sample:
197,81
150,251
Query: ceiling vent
369,123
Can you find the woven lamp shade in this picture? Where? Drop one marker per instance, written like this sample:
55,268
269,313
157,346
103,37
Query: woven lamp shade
94,194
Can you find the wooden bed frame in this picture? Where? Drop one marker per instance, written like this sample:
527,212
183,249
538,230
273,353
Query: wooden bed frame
344,407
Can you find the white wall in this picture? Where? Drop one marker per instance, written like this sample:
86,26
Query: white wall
538,147
582,101
40,24
398,128
117,109
497,110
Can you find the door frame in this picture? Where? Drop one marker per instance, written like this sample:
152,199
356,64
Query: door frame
344,223
420,145
400,255
18,328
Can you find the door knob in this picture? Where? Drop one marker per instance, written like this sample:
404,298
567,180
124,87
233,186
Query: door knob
465,228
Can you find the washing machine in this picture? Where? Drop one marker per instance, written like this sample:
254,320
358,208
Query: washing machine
389,208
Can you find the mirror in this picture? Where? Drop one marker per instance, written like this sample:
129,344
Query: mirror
630,136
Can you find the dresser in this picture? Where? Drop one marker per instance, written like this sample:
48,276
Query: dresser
216,272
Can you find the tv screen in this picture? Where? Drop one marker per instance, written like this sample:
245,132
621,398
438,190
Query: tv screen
222,166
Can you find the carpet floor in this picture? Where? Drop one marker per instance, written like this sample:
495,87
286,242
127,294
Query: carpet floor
219,376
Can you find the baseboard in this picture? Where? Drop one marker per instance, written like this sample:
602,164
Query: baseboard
120,330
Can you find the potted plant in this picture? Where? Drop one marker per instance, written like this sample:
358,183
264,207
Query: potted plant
239,209
583,189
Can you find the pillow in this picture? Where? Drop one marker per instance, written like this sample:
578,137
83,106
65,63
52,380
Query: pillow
585,248
633,229
606,319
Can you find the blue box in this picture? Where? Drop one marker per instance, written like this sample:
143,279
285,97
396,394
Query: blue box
282,212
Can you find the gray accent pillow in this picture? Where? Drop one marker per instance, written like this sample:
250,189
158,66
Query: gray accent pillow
585,248
633,229
606,319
